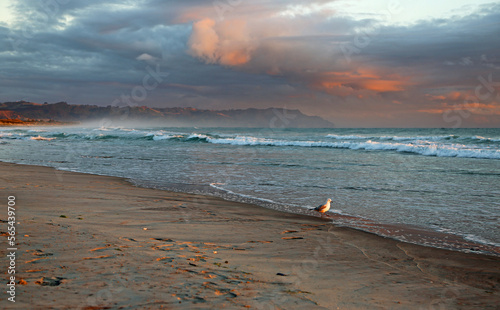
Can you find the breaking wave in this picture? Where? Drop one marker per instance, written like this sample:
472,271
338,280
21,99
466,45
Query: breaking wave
422,147
438,145
445,138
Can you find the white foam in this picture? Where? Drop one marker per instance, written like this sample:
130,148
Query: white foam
165,137
420,138
215,185
37,130
337,211
480,240
412,138
243,141
40,138
426,148
391,138
197,136
434,149
348,137
470,237
483,139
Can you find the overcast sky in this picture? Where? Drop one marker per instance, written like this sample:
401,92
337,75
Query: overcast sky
382,63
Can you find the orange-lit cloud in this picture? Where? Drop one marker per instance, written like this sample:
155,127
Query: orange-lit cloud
355,81
226,43
473,107
229,43
303,51
451,96
204,41
382,85
465,100
275,46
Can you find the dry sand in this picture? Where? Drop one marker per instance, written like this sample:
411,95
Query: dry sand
95,242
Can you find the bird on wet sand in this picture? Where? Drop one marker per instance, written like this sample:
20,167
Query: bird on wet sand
323,208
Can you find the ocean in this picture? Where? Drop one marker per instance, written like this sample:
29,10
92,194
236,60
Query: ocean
436,187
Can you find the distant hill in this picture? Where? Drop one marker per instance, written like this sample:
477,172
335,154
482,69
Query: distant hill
168,117
7,114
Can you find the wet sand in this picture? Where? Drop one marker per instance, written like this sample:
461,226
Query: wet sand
96,242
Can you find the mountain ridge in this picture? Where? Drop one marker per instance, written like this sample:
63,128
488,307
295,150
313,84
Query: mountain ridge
168,117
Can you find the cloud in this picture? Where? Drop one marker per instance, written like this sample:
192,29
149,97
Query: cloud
307,49
146,57
257,53
204,41
227,44
473,107
363,78
286,51
478,101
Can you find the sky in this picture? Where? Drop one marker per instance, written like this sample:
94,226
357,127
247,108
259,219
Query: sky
356,63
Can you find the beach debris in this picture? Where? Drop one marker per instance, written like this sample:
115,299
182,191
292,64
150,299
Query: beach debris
289,231
63,216
281,274
41,253
292,238
52,281
163,239
22,282
144,228
128,239
198,300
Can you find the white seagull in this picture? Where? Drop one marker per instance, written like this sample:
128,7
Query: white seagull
323,208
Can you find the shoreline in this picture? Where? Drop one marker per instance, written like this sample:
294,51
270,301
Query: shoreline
406,233
34,123
82,242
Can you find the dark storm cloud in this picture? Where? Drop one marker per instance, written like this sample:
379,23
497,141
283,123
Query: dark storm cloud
440,42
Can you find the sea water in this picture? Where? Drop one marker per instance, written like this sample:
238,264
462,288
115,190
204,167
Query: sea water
436,180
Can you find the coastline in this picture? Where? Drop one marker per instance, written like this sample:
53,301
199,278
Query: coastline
96,241
399,232
33,123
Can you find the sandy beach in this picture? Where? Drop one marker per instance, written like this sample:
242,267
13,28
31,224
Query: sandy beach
97,242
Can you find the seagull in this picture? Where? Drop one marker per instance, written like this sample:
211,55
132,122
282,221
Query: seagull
323,208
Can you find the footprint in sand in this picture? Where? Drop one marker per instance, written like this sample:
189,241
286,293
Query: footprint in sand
36,260
52,281
128,239
41,253
98,257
